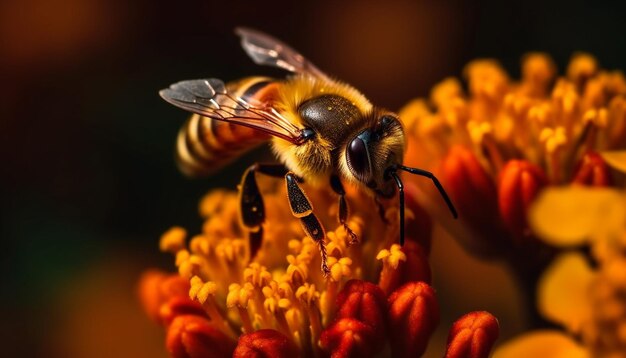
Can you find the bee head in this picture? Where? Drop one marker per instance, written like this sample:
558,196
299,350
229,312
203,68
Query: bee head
375,148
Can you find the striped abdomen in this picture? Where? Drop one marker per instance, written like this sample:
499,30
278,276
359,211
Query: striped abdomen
204,145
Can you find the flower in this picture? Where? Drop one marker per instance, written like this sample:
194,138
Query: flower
499,145
279,300
588,301
223,302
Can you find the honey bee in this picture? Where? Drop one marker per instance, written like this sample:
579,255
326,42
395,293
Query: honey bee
323,131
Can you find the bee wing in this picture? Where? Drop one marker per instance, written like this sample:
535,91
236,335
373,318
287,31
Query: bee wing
267,50
210,98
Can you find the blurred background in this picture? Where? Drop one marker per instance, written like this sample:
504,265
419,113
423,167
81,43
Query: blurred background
88,178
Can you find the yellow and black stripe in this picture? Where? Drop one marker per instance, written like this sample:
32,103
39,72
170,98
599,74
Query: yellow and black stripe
205,145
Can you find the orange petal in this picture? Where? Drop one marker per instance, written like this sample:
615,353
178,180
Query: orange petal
569,216
563,291
157,287
541,343
616,159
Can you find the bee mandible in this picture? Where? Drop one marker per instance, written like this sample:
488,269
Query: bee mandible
323,131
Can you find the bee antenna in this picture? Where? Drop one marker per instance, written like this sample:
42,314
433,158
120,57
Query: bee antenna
430,175
396,177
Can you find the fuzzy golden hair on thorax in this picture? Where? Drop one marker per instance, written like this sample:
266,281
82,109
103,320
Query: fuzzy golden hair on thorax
311,160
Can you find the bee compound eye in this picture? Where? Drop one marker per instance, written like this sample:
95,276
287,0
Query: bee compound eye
357,156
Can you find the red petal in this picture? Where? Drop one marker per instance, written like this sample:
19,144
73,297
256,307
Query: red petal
348,337
420,227
365,302
472,336
471,187
413,316
265,343
520,182
157,287
415,268
194,337
592,170
177,306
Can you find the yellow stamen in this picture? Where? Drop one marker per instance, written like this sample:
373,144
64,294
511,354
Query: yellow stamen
310,299
258,277
537,72
482,135
392,257
215,202
582,66
277,305
204,293
173,240
238,296
391,260
554,140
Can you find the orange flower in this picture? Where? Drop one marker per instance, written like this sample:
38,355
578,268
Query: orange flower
589,302
279,299
223,303
547,123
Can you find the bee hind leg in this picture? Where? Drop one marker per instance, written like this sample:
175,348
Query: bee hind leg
337,187
252,208
302,208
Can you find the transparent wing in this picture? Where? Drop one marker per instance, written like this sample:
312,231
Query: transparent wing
210,98
266,50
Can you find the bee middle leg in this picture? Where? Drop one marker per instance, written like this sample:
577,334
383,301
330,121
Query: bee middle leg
337,187
302,209
252,208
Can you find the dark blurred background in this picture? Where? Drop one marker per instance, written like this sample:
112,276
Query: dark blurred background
88,179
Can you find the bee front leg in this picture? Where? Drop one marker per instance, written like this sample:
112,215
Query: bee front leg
252,208
335,183
302,208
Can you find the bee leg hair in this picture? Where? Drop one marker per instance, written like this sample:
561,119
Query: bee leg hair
302,209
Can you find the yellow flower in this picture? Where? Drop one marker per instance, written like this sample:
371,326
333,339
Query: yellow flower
496,148
588,301
550,127
282,287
